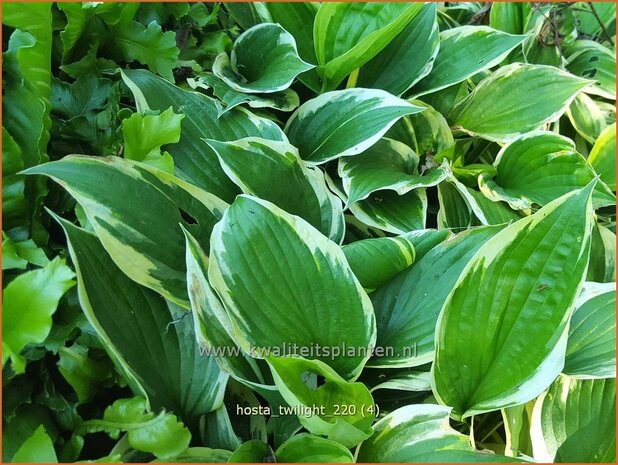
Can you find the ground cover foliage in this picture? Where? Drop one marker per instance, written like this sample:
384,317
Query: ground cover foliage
212,211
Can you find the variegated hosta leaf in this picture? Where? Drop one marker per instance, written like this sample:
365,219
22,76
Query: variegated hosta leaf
305,447
274,171
348,35
286,100
516,99
389,211
465,51
575,422
212,325
407,306
344,122
375,261
387,165
157,356
194,161
602,266
594,61
526,276
298,382
407,58
264,59
135,211
259,249
420,434
591,349
603,156
427,132
539,167
586,117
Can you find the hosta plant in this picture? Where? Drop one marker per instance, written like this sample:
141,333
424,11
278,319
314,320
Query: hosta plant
304,232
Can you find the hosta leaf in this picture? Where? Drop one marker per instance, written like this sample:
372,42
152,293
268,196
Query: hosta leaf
407,58
374,261
344,122
297,18
198,455
588,22
387,165
586,117
297,380
286,100
155,353
149,45
575,421
254,451
397,214
38,448
602,266
274,171
516,99
264,59
162,435
212,324
507,17
193,159
145,134
427,132
592,60
465,51
408,305
29,301
591,349
348,35
308,448
135,208
537,263
420,433
539,167
258,249
603,156
84,374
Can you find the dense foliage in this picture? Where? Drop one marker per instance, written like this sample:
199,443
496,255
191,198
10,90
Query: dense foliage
292,232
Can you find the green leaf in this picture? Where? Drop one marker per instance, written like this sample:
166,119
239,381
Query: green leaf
149,45
407,58
537,263
264,59
344,122
340,410
145,134
303,448
274,171
298,18
17,254
29,302
141,212
38,448
507,17
348,35
83,373
198,455
193,159
284,101
417,434
587,20
575,421
162,435
387,165
591,348
592,60
151,342
516,99
375,261
315,287
408,305
464,52
254,451
602,266
538,167
586,117
603,156
397,214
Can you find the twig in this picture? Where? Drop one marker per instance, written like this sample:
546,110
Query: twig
605,31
